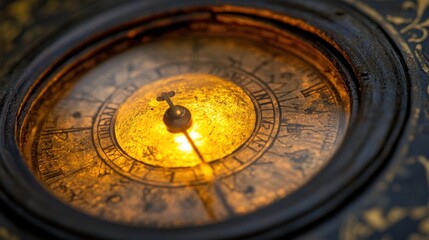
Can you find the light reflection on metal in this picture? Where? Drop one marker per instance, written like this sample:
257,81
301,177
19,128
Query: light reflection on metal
223,118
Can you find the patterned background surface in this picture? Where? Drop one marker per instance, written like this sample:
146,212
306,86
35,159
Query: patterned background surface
395,206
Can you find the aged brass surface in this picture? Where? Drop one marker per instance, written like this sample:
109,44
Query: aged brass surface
264,119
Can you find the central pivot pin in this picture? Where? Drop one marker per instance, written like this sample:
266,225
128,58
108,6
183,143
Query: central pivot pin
177,118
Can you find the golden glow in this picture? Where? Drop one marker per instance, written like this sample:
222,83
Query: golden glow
183,143
223,117
207,171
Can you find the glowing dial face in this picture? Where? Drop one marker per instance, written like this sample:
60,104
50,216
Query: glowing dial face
264,121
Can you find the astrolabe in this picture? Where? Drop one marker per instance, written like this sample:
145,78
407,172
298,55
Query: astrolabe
261,121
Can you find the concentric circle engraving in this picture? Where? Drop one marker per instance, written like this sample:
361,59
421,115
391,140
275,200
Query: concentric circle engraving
227,118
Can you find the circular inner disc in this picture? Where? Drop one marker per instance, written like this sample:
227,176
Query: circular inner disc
223,118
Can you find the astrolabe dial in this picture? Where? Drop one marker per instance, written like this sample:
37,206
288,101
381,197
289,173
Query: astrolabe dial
188,130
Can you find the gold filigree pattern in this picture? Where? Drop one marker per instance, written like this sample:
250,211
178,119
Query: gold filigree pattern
25,23
377,219
383,214
415,29
7,234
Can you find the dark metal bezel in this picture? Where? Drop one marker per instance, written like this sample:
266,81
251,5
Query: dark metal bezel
374,65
